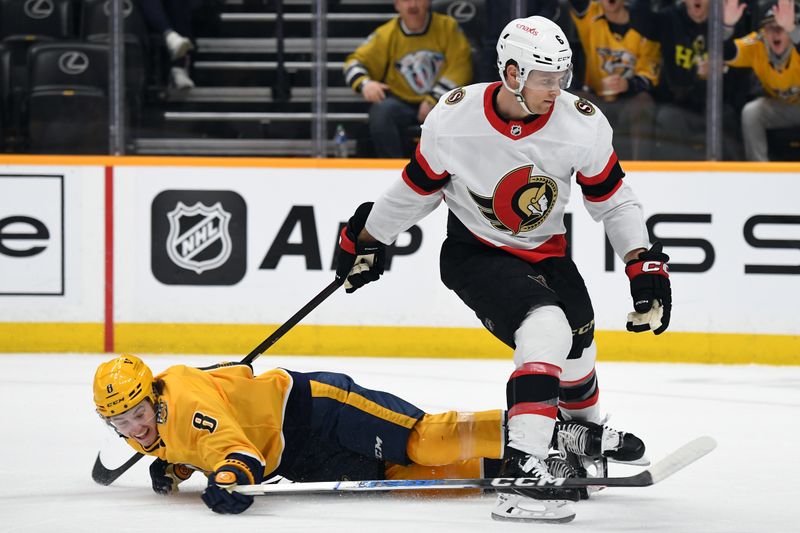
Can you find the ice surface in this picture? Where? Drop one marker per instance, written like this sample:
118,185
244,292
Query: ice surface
749,484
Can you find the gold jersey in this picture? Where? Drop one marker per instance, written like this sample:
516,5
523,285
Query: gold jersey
206,415
607,52
416,66
779,82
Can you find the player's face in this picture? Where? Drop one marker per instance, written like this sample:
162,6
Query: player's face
777,38
138,423
541,90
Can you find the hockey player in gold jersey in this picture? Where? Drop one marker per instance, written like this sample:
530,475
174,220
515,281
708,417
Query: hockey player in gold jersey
773,56
404,67
240,428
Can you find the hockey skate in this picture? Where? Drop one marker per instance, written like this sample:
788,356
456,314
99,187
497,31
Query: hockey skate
587,447
597,442
534,504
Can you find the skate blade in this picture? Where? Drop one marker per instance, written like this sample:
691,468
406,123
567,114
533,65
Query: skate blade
516,508
642,461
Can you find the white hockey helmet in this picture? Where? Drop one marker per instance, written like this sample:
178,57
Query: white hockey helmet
533,43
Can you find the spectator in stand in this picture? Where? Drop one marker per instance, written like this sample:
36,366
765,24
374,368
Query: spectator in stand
172,19
621,68
773,56
680,119
403,68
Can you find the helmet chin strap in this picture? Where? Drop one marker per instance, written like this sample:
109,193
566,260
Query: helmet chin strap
518,93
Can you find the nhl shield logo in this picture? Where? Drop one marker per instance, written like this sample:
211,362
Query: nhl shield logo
199,238
516,130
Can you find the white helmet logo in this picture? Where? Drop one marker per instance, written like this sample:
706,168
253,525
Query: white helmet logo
198,237
462,11
38,9
73,63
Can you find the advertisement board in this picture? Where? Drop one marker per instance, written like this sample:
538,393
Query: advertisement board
209,255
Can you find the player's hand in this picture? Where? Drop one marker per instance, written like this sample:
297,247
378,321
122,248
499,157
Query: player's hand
166,476
651,292
219,495
374,91
359,262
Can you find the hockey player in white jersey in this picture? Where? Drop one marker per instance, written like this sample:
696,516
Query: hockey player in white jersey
504,157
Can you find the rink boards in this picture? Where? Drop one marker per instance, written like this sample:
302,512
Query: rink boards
206,255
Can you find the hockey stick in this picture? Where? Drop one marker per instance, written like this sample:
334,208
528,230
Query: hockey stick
677,460
107,476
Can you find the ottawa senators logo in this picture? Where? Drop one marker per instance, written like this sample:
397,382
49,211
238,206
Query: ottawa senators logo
584,106
455,96
521,201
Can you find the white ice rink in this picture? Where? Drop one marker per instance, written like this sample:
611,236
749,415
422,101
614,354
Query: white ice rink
749,484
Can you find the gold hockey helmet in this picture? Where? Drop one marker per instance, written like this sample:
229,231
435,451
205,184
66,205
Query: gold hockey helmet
120,384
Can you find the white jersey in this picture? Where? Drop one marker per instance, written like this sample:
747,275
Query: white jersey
509,182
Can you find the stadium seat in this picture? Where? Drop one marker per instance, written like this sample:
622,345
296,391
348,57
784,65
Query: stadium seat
94,21
24,23
52,18
94,28
66,103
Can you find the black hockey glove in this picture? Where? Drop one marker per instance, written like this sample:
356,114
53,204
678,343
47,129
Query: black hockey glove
651,292
219,495
166,476
358,263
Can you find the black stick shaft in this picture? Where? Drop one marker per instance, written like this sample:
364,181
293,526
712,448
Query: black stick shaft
292,322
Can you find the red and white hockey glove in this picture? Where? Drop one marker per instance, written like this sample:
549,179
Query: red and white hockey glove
651,291
358,263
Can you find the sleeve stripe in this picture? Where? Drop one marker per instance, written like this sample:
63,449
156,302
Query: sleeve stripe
599,178
603,190
354,72
605,196
426,167
446,82
416,188
420,176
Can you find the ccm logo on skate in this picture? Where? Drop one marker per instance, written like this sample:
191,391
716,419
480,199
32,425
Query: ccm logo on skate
523,482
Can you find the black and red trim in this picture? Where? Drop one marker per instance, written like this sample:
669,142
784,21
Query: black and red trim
506,127
579,394
533,389
603,185
422,179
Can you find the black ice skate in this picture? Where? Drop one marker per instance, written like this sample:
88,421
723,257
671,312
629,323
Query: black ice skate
587,439
534,504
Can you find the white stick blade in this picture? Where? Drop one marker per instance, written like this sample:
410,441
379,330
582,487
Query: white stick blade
682,457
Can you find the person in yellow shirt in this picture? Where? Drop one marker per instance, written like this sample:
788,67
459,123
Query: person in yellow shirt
240,428
622,67
772,55
404,67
